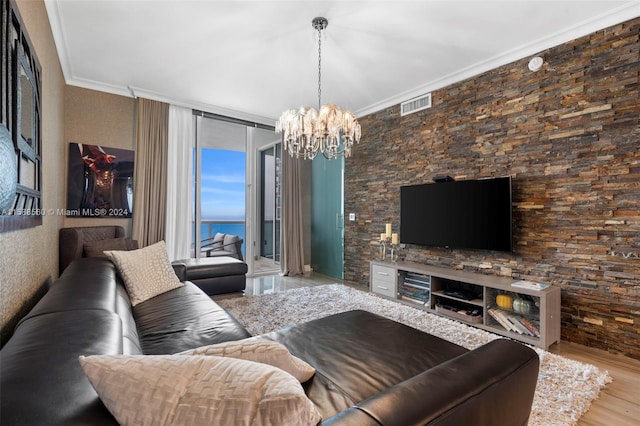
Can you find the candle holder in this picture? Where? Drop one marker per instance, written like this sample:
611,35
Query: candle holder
394,252
391,239
383,250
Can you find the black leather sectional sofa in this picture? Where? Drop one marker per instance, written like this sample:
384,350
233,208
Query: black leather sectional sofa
370,370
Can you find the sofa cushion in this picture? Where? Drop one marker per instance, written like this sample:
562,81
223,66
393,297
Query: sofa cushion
350,361
146,272
213,267
90,284
178,389
181,319
261,350
42,382
97,248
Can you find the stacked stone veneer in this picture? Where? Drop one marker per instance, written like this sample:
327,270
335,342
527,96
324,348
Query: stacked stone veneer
569,136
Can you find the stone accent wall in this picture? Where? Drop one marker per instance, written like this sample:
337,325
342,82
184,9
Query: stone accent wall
569,136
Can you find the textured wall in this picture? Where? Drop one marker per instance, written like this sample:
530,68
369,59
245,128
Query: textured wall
569,135
29,258
97,118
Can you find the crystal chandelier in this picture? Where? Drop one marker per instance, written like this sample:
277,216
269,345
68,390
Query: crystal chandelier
328,129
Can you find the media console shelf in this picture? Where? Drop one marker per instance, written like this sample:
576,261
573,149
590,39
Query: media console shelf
483,301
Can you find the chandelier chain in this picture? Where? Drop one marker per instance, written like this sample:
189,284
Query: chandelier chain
319,67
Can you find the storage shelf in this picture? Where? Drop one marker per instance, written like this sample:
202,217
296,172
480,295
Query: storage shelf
476,302
541,316
470,319
412,301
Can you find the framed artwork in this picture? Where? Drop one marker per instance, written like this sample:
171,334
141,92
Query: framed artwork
99,181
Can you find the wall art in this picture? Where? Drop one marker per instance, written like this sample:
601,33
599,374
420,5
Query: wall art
99,181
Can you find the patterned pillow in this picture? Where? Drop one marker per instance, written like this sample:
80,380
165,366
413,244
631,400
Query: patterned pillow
97,248
146,272
177,389
262,350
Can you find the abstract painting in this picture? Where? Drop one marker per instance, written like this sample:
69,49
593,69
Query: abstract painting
100,181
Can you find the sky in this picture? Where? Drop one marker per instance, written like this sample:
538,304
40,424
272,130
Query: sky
223,184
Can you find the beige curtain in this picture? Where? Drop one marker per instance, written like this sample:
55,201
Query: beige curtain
150,179
292,241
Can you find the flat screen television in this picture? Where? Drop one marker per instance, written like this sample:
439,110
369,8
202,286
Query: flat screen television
470,214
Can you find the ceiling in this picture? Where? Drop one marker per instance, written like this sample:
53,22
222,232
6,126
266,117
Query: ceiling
254,59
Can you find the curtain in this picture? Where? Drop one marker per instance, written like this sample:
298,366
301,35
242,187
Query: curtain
292,242
150,178
179,212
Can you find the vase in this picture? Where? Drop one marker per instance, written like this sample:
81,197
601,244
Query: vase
522,306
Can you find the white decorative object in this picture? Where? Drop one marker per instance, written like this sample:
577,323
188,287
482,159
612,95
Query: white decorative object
8,172
535,63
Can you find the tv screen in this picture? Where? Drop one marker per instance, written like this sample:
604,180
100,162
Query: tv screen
471,214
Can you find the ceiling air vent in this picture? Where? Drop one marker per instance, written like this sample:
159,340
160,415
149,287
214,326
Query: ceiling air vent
416,104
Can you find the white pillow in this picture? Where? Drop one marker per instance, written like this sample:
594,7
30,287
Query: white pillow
262,350
197,390
146,272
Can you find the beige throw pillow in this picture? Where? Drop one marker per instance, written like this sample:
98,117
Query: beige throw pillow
197,390
146,272
261,350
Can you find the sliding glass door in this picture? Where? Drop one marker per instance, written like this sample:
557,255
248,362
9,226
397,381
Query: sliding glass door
327,218
268,209
270,163
236,189
219,180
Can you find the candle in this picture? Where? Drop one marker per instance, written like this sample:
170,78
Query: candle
383,236
394,238
388,230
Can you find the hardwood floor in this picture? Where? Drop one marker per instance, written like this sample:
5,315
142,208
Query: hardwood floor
619,401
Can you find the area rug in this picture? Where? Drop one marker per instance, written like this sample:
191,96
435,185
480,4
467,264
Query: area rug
565,387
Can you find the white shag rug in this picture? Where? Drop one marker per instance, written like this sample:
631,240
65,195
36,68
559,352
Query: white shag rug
565,387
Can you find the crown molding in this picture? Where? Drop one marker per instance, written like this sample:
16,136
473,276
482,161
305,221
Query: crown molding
137,92
623,13
59,39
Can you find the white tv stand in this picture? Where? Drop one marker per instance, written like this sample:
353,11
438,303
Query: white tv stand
430,288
